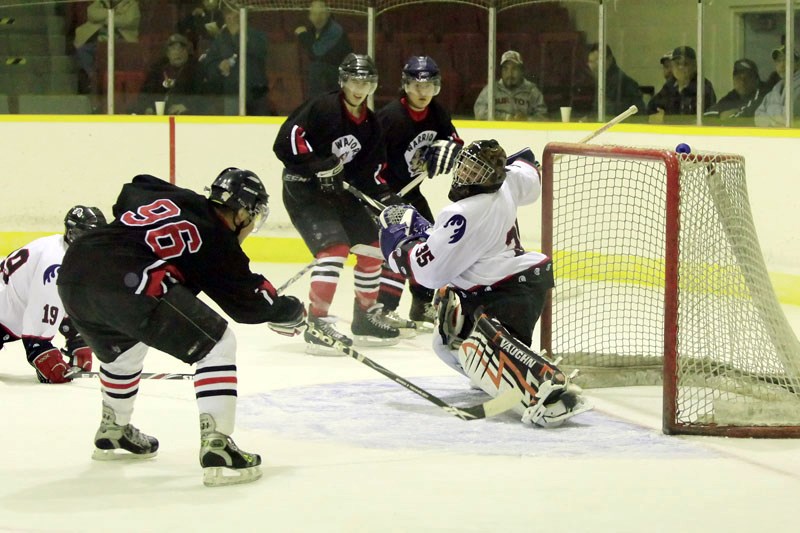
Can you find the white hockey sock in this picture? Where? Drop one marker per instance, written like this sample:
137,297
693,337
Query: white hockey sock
215,383
119,382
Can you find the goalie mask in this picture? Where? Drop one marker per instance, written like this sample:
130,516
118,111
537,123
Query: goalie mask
479,168
421,74
359,68
241,189
81,219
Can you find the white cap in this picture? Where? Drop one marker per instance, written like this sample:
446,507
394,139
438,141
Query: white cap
512,56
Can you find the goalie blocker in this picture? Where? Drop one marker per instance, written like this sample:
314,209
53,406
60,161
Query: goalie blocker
496,362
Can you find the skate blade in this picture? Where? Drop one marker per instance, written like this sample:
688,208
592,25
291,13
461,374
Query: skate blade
366,340
220,476
118,454
407,333
424,327
325,351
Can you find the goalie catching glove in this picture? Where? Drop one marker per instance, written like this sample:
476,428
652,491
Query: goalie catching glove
438,158
401,226
294,325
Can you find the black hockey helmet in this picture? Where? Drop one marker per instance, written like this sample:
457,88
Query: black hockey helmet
480,167
422,69
81,219
241,189
358,67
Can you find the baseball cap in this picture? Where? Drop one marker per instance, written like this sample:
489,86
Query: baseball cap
781,50
665,57
177,38
684,51
741,66
512,56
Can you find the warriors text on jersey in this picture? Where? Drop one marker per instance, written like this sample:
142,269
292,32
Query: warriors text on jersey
29,303
322,127
475,241
163,234
405,131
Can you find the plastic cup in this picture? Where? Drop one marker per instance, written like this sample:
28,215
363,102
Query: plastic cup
566,112
160,107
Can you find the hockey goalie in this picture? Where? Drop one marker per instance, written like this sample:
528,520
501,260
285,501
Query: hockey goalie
493,290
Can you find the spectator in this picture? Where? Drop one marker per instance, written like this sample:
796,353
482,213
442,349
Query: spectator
515,98
771,112
666,67
202,24
679,96
745,97
622,91
175,79
327,45
220,64
95,30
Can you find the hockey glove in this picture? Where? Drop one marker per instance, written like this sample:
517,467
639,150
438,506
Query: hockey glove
81,358
440,157
399,224
294,325
330,179
50,367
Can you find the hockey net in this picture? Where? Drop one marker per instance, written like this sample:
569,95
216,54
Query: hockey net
660,279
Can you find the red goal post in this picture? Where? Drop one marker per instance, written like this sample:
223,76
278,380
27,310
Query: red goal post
660,280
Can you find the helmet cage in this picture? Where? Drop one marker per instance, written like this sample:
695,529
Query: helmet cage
80,219
482,163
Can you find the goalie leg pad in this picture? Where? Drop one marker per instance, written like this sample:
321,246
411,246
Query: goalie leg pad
495,361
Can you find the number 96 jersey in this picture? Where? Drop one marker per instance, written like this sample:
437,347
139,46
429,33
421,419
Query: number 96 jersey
29,301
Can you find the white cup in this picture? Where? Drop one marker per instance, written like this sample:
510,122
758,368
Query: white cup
565,114
160,107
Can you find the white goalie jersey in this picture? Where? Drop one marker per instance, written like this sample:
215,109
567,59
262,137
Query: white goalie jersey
475,241
29,303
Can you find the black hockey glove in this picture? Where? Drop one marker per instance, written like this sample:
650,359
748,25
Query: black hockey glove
330,178
294,325
440,157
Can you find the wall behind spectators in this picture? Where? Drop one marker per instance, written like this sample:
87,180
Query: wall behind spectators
52,163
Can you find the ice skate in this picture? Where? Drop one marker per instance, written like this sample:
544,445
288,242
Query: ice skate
111,437
407,328
370,329
223,463
423,314
314,346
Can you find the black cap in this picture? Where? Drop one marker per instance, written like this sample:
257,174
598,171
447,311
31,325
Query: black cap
684,51
666,57
741,66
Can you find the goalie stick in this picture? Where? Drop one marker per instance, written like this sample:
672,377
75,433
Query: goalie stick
497,405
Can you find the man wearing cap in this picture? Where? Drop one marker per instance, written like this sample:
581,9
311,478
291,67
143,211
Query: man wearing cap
666,66
515,98
771,112
747,93
679,96
175,79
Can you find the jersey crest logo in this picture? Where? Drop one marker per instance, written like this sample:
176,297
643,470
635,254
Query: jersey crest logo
346,148
50,274
423,139
459,227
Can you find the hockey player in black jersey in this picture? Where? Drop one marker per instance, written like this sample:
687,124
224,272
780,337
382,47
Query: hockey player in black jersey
411,124
332,139
132,284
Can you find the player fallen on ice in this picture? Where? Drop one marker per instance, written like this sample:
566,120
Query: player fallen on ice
133,284
327,141
30,308
494,291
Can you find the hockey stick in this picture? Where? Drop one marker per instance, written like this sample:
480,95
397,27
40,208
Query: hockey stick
632,110
143,375
500,404
413,183
297,276
372,202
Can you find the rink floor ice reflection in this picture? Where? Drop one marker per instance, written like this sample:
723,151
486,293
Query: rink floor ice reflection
346,450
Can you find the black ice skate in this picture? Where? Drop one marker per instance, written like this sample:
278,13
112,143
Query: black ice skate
111,437
407,328
423,314
370,329
314,346
223,463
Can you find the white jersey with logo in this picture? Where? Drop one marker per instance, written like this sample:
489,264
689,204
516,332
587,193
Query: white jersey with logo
475,241
29,303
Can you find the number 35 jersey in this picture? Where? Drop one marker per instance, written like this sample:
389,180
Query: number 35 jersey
162,235
29,303
475,241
